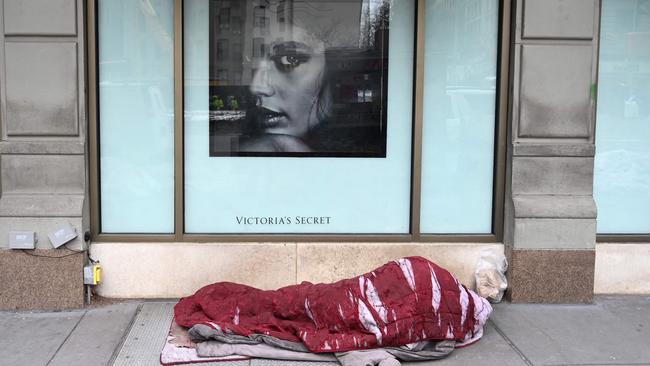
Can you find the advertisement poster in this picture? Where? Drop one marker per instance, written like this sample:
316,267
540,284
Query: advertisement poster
293,78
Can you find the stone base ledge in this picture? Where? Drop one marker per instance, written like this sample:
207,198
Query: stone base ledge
170,270
42,226
622,268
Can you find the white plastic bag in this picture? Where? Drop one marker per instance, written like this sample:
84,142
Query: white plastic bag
490,275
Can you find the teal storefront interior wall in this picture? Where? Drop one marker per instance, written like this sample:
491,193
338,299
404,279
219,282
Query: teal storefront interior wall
459,116
136,115
622,166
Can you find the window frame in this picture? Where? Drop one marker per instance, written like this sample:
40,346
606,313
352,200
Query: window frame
414,235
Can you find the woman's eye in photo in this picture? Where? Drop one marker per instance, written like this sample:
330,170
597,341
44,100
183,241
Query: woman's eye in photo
290,61
286,63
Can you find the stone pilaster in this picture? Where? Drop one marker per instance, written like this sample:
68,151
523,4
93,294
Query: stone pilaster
42,148
550,225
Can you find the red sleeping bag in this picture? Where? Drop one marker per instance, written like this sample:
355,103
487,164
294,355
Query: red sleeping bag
401,302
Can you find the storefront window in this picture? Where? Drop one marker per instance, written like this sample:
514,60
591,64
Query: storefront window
136,114
622,167
459,116
298,117
315,137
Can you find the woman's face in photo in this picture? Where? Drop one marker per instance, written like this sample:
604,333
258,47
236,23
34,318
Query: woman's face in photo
287,85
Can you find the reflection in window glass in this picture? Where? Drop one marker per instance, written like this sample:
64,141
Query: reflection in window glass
259,48
260,21
136,114
222,49
236,53
459,116
236,25
622,167
224,18
281,16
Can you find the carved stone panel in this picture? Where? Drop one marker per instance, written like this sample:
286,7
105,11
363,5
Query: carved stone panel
559,19
42,88
25,174
40,17
555,92
552,175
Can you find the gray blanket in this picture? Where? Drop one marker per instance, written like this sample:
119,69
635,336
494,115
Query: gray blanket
216,343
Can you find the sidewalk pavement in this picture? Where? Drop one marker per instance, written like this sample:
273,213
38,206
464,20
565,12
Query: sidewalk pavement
615,330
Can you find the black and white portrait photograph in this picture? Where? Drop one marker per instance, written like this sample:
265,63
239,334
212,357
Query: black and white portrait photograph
298,78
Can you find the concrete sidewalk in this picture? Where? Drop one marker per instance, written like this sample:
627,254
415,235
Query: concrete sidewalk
612,331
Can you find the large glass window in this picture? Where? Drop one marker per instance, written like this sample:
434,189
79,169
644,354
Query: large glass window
136,115
315,136
459,116
298,117
622,172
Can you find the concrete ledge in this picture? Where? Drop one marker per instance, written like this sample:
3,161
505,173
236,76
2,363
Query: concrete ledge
41,205
553,149
28,282
71,147
554,206
42,226
622,268
555,233
170,270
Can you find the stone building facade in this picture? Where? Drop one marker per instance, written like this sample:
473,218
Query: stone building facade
548,222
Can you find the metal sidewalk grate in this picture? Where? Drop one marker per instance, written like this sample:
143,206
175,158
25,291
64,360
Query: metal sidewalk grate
147,337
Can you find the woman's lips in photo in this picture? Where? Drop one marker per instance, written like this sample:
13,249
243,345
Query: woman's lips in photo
270,118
